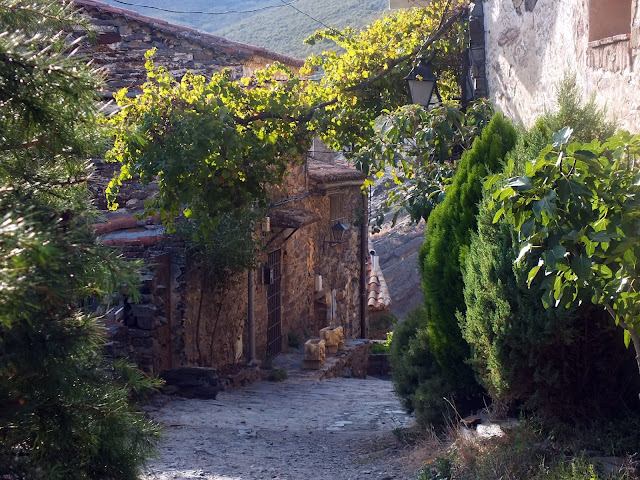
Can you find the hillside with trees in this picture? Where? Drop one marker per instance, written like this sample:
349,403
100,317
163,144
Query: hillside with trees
267,23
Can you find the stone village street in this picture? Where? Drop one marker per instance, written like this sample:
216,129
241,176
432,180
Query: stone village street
339,429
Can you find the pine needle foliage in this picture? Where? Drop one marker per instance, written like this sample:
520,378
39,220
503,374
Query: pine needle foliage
65,411
417,377
447,241
587,119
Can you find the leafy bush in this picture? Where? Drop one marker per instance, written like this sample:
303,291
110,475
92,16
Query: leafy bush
561,362
446,244
419,149
377,347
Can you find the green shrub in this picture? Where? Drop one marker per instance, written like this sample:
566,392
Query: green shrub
505,322
586,118
446,244
514,339
561,362
377,347
416,376
277,374
564,363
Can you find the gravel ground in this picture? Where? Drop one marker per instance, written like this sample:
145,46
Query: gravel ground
339,429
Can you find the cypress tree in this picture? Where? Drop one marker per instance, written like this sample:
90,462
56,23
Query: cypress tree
416,375
447,241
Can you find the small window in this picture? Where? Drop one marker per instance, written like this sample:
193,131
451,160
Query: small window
609,18
338,209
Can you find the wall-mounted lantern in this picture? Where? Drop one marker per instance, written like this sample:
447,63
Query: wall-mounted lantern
422,83
337,232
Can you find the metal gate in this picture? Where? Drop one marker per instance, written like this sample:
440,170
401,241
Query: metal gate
274,306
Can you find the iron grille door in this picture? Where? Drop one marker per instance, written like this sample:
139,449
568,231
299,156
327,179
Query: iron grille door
274,306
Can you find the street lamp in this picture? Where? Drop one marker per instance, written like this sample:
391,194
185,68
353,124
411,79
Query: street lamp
337,232
422,83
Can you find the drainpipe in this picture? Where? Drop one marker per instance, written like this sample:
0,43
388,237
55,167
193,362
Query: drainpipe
363,269
251,316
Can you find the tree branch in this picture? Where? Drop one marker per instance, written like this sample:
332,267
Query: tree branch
21,146
444,28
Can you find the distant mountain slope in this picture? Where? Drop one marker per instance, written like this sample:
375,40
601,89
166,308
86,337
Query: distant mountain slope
267,23
205,22
284,29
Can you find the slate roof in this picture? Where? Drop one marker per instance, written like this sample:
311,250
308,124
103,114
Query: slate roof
322,173
290,217
197,37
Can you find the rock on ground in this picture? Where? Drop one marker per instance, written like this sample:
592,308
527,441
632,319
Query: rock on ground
339,429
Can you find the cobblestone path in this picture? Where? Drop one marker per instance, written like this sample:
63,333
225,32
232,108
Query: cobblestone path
339,429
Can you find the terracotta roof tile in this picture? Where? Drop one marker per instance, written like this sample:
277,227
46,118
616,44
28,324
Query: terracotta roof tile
378,292
134,236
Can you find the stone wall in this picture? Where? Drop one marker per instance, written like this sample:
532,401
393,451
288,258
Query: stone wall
339,265
123,37
214,319
185,319
531,45
306,253
150,331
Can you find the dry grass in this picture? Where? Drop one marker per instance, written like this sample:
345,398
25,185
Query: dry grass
423,446
522,453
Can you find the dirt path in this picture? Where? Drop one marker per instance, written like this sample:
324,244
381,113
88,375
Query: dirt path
339,429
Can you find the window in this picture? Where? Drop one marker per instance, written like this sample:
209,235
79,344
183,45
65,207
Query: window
609,18
338,209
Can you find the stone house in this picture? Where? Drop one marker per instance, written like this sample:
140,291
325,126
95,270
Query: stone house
521,49
531,44
306,278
